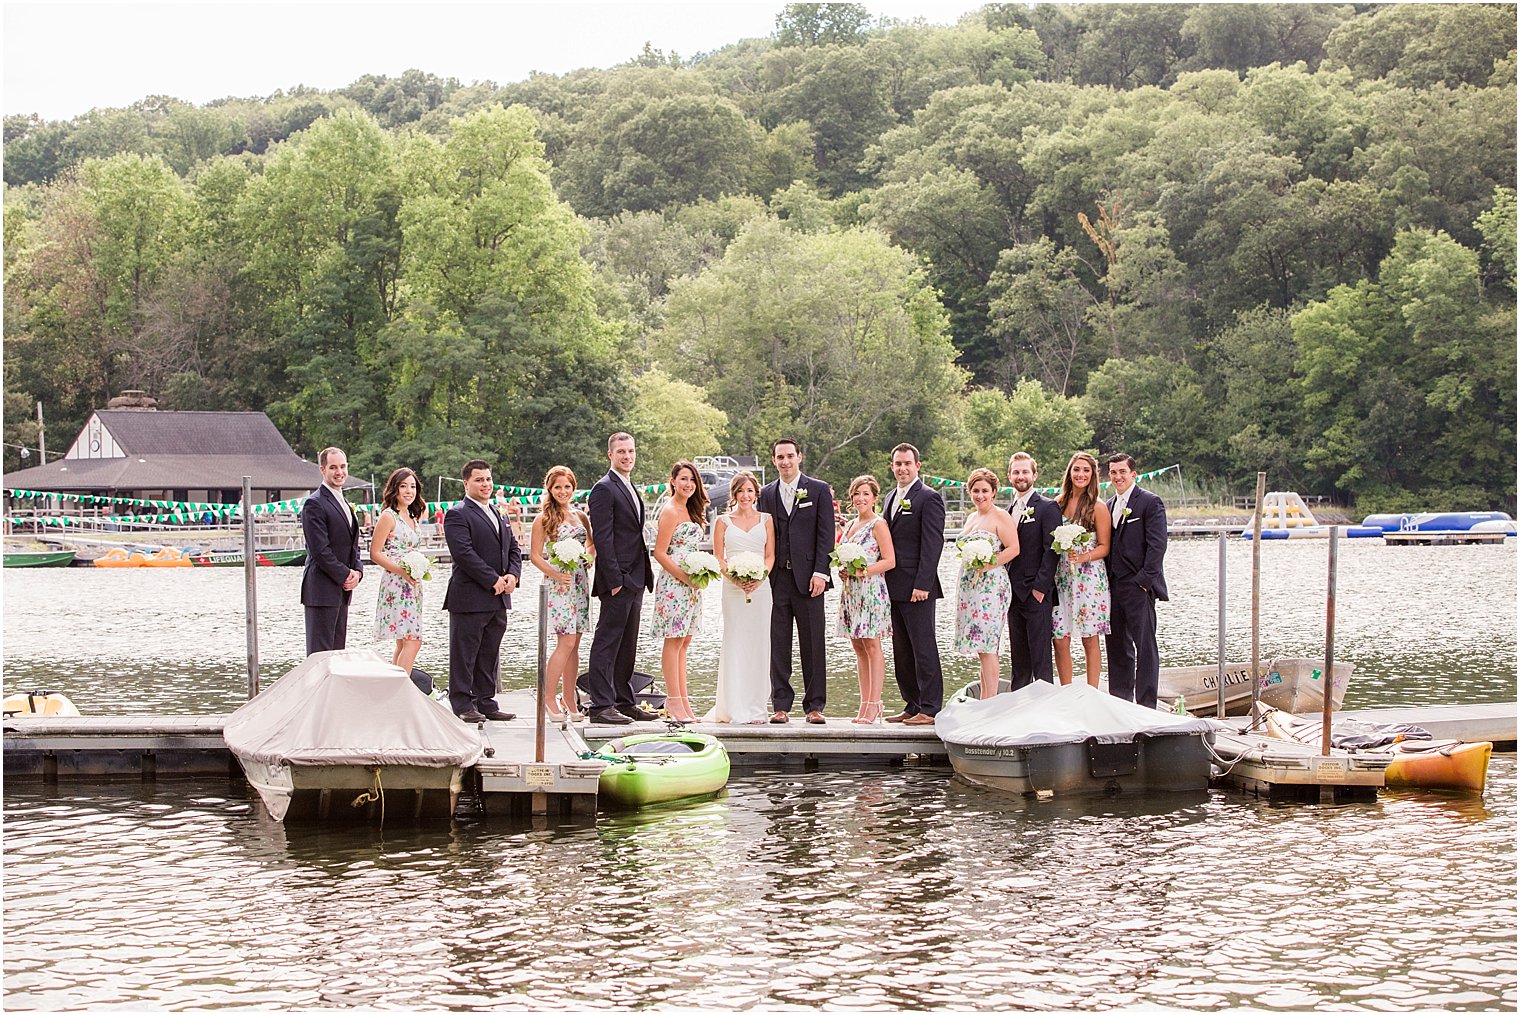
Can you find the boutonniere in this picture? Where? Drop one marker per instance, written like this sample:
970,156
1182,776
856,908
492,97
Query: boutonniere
1029,514
1124,515
801,495
906,507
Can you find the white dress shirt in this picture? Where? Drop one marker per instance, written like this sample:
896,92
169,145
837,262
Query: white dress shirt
491,514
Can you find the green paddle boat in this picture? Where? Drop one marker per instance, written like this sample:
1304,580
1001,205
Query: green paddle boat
655,768
39,558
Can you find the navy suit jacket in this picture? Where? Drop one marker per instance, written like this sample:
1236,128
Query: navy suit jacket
617,524
1035,566
810,529
918,539
482,553
1139,543
332,548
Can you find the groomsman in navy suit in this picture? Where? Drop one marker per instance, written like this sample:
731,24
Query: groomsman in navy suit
623,574
802,510
333,567
1135,582
487,567
916,519
1033,574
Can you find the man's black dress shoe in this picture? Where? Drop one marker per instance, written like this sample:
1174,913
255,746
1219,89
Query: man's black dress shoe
499,716
472,716
607,717
634,712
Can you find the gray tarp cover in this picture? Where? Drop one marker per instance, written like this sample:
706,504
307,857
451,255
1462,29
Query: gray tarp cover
1047,714
349,708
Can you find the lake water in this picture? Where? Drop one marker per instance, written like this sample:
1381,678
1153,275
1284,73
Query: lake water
864,889
1424,625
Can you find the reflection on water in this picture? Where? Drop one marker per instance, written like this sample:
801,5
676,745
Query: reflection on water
167,641
877,889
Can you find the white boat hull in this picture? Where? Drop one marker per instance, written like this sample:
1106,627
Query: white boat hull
358,791
1292,685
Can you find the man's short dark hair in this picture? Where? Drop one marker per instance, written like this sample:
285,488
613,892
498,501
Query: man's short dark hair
785,440
1122,457
473,466
910,449
324,454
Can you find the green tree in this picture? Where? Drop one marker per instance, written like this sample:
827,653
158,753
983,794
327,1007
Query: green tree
672,420
1043,423
1497,225
1153,409
656,138
835,338
821,24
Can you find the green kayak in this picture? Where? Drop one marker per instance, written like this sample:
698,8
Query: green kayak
657,767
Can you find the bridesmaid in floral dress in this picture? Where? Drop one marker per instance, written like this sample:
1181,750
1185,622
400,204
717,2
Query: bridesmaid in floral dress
569,592
981,612
1082,599
865,612
398,612
678,603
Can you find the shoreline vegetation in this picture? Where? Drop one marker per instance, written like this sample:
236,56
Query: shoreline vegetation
1237,237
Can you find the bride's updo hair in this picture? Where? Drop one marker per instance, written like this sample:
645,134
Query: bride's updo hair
738,483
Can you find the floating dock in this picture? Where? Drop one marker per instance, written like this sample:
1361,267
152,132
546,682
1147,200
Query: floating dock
149,748
1417,538
1284,770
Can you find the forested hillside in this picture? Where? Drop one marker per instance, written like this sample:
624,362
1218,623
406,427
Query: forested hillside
1235,237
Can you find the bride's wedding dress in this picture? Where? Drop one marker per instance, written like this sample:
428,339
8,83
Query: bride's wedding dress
744,666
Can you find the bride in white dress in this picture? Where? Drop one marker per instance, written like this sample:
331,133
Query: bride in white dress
744,667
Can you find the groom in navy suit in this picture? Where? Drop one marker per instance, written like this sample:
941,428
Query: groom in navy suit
1032,574
623,574
802,509
487,567
333,567
1135,582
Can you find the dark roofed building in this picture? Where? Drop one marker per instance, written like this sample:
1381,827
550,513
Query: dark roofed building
183,456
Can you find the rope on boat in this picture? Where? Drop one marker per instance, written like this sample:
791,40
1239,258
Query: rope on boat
631,759
1228,766
375,792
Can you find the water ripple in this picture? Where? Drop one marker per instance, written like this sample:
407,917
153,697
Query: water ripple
858,890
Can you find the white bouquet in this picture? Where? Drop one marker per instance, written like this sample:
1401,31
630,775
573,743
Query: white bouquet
977,553
1070,538
850,558
702,567
418,566
747,566
568,554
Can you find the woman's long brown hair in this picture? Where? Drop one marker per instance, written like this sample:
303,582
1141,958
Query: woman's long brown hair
696,504
1087,503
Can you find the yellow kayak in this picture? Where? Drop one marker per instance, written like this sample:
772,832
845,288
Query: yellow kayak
1413,764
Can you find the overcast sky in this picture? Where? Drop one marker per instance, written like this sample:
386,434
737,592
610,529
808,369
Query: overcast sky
63,59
